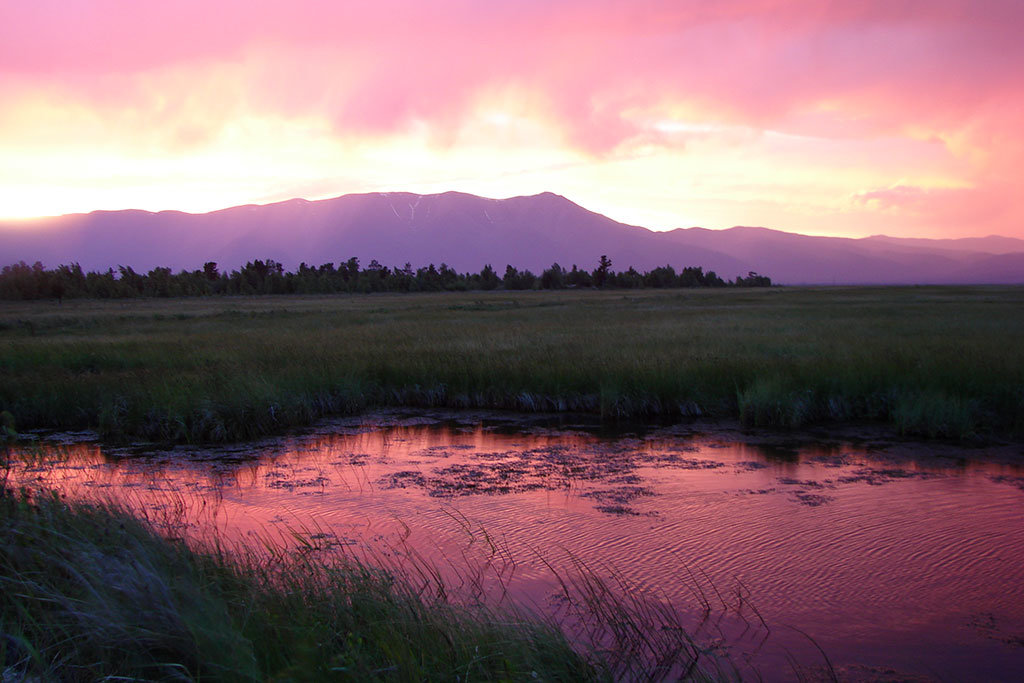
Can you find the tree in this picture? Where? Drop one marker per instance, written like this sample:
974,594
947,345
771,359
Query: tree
515,279
754,280
488,278
510,276
428,279
448,278
579,278
553,277
159,282
630,279
692,276
21,281
604,267
662,277
134,281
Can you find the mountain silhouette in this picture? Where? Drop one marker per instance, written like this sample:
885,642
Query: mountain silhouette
467,232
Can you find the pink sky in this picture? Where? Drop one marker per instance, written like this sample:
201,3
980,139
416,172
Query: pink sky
833,118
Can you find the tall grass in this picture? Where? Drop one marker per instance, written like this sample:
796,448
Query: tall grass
89,592
935,361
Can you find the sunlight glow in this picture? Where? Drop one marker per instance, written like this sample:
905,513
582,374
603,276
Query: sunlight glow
666,118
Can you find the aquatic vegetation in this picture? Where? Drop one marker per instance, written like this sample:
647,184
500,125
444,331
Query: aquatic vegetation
88,591
942,362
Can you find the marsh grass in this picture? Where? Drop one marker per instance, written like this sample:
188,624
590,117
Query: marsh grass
932,361
91,592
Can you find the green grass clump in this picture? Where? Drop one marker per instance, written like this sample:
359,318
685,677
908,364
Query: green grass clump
932,361
772,401
89,592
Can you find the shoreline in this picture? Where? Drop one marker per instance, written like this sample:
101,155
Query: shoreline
874,438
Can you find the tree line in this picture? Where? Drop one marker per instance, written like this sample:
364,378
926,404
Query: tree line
22,281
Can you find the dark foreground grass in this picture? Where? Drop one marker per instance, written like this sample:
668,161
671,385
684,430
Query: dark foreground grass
88,592
931,361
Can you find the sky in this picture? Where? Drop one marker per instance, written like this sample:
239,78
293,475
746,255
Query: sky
840,118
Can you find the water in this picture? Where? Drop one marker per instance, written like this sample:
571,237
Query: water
896,565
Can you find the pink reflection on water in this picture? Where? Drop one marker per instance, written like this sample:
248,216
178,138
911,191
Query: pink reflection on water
915,564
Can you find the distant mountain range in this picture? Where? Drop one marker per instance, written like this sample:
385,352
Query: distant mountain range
466,232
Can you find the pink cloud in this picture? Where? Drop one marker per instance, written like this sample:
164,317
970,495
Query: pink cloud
943,69
945,211
897,196
886,64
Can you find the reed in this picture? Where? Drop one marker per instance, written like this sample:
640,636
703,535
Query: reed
90,592
932,361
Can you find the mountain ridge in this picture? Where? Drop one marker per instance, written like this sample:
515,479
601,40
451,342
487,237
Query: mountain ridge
466,232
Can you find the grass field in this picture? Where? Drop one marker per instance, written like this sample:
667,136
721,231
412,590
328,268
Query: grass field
932,361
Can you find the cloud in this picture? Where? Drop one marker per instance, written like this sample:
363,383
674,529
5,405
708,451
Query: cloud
946,210
895,197
601,77
865,67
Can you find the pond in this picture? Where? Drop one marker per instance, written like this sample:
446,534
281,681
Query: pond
896,560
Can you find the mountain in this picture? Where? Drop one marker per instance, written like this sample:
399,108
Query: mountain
466,232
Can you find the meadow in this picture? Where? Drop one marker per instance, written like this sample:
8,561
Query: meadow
943,362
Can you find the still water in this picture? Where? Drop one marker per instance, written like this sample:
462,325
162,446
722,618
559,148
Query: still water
896,564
